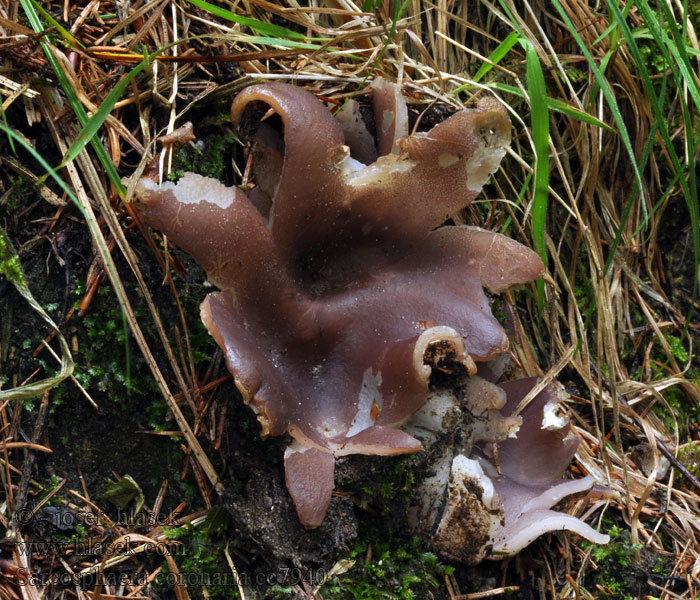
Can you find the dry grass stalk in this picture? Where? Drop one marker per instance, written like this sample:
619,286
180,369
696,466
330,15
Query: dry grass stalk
434,49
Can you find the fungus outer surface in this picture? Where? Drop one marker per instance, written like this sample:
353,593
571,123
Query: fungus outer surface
337,279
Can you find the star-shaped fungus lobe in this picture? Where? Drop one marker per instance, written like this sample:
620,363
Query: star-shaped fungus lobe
531,466
336,278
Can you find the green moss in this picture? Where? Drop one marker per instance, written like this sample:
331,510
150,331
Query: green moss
613,579
393,572
101,363
207,158
683,410
391,488
200,556
10,266
573,71
20,189
653,59
49,485
689,456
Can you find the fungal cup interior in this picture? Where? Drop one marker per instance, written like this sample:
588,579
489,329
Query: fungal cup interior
337,281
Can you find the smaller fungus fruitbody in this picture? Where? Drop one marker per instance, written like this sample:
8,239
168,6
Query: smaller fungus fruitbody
337,279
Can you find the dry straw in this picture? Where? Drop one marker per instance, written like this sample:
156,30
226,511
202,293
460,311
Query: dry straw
616,88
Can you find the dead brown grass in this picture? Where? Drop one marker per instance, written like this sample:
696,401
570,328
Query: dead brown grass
608,337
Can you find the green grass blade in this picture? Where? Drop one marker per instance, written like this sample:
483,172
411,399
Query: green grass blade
609,98
11,268
595,88
540,135
677,47
570,111
659,202
689,186
630,202
67,35
539,114
9,138
511,18
73,100
557,105
108,264
40,159
612,29
275,41
496,56
266,29
93,124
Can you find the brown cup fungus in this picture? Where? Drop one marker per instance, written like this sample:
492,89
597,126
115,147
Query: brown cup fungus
339,288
